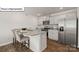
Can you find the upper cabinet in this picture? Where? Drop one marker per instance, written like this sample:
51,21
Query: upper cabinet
55,18
41,19
71,15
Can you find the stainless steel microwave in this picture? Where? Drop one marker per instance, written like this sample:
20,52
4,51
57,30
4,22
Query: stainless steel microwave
46,22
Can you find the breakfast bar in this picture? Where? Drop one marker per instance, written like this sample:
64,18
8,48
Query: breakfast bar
37,39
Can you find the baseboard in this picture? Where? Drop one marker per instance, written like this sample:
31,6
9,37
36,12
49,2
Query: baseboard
3,44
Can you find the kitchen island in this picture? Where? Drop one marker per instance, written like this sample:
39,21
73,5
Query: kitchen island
38,40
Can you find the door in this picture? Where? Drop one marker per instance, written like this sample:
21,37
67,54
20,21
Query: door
61,31
67,29
70,29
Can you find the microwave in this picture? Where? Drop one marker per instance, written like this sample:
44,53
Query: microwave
46,22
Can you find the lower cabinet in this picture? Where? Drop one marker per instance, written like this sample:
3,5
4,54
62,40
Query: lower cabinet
43,41
53,34
38,43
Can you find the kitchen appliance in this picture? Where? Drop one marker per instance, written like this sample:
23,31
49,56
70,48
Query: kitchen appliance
46,27
53,26
46,22
68,31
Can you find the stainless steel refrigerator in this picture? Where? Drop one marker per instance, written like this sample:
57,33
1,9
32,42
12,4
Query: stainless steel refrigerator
68,31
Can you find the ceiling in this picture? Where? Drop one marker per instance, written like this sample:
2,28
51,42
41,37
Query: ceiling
41,11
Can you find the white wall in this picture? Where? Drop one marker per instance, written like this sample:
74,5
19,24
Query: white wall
11,20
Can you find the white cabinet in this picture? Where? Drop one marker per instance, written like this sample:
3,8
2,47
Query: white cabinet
35,43
38,42
53,34
55,19
71,15
41,19
52,20
43,41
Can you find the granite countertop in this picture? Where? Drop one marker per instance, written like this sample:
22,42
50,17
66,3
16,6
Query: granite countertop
34,32
30,32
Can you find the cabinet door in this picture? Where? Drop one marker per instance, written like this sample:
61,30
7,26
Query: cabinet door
71,15
51,20
43,41
53,34
70,28
41,19
35,43
56,19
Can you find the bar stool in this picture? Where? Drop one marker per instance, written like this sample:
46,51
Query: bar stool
23,40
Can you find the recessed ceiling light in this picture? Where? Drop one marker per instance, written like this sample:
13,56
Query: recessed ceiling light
61,8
